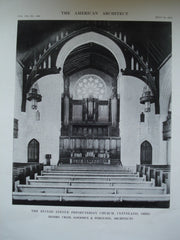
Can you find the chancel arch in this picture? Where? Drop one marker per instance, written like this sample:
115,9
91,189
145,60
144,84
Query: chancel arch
87,38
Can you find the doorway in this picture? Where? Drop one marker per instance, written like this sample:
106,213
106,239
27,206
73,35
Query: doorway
146,153
33,151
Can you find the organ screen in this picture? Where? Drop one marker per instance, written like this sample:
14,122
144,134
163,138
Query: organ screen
90,126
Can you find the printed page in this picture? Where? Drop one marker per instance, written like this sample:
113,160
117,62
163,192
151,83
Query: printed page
89,123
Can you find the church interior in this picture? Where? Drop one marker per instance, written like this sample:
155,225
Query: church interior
92,118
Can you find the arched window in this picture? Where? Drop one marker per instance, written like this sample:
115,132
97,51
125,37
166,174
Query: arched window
33,151
146,153
90,86
142,117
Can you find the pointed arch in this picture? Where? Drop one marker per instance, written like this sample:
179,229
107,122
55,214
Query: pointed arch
146,153
88,37
33,151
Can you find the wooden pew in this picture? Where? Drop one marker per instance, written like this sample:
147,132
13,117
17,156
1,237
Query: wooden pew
89,174
23,170
112,198
88,183
160,174
90,190
91,178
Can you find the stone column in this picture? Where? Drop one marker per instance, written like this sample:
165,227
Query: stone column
114,111
66,101
114,103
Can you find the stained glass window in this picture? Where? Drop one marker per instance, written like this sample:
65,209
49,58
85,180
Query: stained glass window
90,85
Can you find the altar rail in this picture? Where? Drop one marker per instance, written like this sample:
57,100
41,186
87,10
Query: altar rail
89,160
22,171
159,174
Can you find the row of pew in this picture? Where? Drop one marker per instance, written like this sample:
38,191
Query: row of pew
24,171
159,174
90,183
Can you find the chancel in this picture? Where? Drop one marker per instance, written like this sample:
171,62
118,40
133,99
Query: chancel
88,134
92,121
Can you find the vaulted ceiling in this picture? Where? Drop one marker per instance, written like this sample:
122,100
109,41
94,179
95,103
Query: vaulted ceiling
91,56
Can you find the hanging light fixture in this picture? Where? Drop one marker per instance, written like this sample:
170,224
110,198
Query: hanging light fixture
35,97
147,98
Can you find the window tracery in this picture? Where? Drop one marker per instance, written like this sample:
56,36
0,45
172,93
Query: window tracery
90,86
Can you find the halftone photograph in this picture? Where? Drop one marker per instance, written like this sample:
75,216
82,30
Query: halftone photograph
92,114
